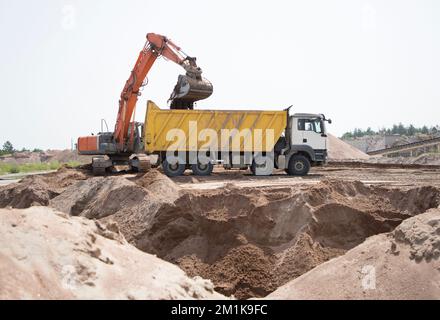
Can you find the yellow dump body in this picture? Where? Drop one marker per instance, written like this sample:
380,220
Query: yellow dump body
192,130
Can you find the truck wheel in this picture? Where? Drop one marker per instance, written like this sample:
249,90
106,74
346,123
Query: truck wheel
173,170
298,166
200,169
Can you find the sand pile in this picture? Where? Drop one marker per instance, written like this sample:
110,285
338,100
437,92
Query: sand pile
62,156
47,255
430,159
403,264
132,202
248,241
38,189
340,150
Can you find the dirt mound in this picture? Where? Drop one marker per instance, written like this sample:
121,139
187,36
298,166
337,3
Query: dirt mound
159,184
401,265
426,159
132,202
61,156
248,241
99,197
38,189
64,156
21,158
340,150
422,235
47,255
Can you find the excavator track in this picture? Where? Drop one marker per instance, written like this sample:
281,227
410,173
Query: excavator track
98,171
100,165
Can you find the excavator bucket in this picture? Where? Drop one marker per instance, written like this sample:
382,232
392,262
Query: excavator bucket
189,90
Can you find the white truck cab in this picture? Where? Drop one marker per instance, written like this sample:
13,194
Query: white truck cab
309,129
304,144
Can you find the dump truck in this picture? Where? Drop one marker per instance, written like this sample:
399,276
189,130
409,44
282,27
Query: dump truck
261,141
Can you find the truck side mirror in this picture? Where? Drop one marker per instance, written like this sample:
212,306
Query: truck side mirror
330,121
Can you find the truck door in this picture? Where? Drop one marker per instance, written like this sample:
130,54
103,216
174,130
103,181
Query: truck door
297,133
312,132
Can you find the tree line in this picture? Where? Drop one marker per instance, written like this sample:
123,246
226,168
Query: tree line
399,129
8,148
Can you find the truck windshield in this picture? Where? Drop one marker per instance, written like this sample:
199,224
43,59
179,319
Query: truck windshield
310,125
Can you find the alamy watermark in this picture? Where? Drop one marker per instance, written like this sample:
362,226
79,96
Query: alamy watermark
69,277
202,146
368,280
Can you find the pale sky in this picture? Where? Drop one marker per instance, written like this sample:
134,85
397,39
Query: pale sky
362,63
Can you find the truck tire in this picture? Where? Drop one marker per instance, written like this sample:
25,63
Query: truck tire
173,170
200,169
299,165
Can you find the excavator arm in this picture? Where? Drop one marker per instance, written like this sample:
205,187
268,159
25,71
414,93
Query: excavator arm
156,46
123,146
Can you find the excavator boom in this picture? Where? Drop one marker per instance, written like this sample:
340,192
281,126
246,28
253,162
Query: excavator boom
124,141
190,88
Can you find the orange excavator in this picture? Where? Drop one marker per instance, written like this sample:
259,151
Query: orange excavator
125,145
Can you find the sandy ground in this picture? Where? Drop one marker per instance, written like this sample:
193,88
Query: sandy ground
4,182
403,264
70,235
248,235
45,254
62,156
16,177
373,175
